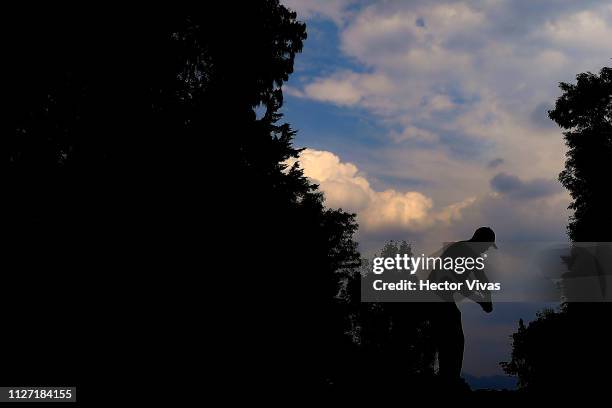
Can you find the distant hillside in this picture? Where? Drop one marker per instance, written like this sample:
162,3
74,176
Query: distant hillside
492,382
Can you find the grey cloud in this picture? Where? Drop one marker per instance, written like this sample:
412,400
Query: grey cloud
401,182
513,186
539,116
495,163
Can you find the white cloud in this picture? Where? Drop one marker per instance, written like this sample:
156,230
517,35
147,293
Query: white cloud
396,30
345,187
395,214
342,91
348,88
582,30
331,9
410,132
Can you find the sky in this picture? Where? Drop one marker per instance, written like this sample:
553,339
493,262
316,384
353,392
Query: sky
428,119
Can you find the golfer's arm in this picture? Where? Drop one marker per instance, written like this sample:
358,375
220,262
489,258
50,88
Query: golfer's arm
477,295
482,277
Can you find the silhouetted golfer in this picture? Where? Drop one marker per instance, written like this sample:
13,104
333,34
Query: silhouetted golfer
446,318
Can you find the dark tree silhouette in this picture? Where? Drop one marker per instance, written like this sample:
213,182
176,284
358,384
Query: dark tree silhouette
584,111
539,350
298,251
133,155
569,348
393,340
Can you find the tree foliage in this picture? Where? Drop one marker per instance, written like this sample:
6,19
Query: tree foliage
393,340
135,156
584,111
569,348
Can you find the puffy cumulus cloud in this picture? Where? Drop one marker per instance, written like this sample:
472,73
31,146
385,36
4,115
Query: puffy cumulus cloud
345,187
341,182
393,208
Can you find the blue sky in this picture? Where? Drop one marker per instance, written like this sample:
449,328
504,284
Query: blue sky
428,119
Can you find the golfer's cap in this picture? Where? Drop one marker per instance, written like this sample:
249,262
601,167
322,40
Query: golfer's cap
484,234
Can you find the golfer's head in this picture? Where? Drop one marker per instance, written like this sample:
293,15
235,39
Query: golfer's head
484,237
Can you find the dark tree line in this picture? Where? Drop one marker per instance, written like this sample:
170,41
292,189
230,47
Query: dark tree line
569,349
150,210
148,204
394,340
584,112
